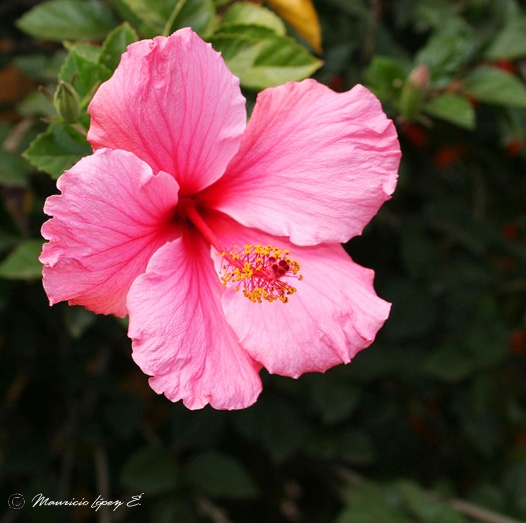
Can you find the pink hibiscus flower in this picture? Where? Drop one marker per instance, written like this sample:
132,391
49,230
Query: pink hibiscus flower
221,239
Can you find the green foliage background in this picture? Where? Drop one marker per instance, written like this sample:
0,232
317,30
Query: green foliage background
426,426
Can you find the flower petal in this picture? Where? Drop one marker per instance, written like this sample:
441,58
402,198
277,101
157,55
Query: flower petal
313,165
172,102
180,335
112,215
334,314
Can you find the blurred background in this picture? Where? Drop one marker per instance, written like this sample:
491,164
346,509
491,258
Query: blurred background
428,425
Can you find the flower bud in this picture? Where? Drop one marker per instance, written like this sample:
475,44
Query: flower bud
414,91
67,102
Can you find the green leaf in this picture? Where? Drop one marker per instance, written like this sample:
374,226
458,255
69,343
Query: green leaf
515,483
418,252
177,508
123,414
275,423
421,505
149,16
89,51
197,14
12,169
41,67
303,19
432,13
245,13
372,503
356,446
22,263
68,20
447,50
36,104
201,429
510,42
414,311
77,320
261,58
5,131
84,74
334,399
126,13
150,470
385,77
115,44
453,108
493,86
449,363
373,514
154,17
219,475
486,335
57,149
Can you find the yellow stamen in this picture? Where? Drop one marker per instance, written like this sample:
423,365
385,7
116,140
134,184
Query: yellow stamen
258,270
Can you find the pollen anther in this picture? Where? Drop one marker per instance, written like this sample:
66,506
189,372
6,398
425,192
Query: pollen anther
258,270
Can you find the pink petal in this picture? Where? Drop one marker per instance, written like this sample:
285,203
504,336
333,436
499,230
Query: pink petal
173,103
334,314
180,335
112,215
313,165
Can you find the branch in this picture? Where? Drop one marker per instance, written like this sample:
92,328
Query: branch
466,508
370,37
207,508
103,481
479,513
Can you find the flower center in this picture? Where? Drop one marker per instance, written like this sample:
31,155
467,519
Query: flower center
258,270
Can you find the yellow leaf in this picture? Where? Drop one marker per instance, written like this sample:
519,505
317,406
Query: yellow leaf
302,16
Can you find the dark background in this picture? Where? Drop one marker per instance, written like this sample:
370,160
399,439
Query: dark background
432,413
